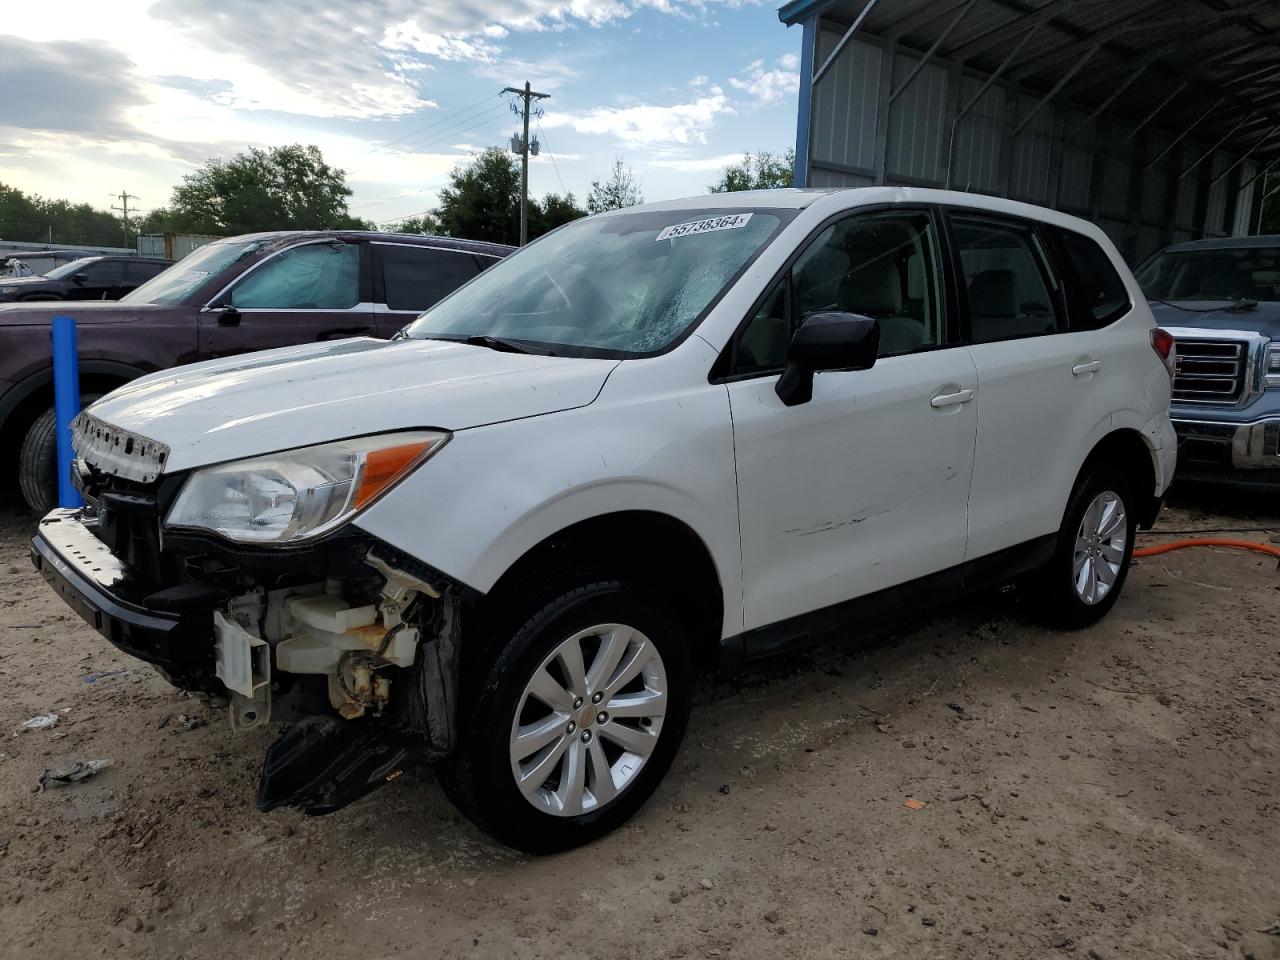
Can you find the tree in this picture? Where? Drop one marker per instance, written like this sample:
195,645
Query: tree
423,223
552,211
620,190
284,188
482,199
761,171
38,220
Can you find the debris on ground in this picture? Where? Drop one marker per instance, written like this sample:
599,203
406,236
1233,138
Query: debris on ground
42,721
911,803
95,677
70,773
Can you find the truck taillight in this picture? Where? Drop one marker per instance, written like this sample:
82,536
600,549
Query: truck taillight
1162,343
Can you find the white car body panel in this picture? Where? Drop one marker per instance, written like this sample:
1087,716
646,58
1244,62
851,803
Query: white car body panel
280,399
863,487
659,439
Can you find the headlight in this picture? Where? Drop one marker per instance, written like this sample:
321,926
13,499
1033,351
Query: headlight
299,494
1273,365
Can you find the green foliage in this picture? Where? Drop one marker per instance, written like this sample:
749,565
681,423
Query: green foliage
284,188
33,218
482,202
426,223
620,190
759,171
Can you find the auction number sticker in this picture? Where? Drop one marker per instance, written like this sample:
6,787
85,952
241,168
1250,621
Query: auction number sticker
734,221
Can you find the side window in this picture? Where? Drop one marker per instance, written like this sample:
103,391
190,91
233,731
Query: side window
1007,278
414,278
316,276
104,273
881,265
484,261
1096,281
141,272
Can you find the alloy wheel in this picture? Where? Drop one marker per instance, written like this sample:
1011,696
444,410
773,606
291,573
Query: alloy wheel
588,720
1099,549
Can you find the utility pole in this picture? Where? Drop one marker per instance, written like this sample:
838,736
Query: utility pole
527,96
124,197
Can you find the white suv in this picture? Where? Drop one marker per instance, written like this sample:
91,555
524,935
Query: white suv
655,441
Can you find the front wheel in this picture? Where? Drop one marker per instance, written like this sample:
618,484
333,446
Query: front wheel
1095,545
576,720
38,460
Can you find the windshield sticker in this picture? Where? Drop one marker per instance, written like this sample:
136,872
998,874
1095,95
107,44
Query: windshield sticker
734,221
193,275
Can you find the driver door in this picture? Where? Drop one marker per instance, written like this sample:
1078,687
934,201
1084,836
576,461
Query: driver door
866,485
306,293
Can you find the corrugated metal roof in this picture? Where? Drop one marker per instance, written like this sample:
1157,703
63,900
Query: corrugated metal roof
1227,52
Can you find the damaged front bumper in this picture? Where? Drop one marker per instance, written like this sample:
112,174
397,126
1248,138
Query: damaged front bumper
363,663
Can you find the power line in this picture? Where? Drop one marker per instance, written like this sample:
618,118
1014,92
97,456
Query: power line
452,130
528,96
542,133
435,123
124,197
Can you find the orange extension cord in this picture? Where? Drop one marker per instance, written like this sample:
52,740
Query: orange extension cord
1208,542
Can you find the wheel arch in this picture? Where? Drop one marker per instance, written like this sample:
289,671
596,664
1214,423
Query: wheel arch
1133,453
659,549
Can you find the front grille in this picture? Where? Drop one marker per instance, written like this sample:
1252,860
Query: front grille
1210,371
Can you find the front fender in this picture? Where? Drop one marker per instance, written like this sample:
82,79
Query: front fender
495,492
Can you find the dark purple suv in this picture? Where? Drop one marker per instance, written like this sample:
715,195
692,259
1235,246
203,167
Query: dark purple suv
244,293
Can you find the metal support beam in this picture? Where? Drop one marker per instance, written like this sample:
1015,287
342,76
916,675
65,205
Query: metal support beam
881,154
1209,152
955,21
1261,173
1152,115
1062,82
1183,135
982,91
1102,107
1245,156
1003,33
848,35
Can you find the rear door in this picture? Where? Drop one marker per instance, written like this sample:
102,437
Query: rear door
411,277
306,293
1042,400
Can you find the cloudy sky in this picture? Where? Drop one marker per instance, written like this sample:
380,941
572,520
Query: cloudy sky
96,97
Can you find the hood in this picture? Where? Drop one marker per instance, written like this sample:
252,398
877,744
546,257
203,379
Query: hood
25,281
259,403
1264,318
85,311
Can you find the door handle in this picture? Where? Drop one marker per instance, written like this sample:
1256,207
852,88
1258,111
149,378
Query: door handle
1087,366
951,399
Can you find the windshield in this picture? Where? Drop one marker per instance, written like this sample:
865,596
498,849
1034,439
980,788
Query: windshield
618,285
67,269
182,279
1243,273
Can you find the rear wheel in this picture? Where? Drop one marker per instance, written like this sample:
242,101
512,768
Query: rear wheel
576,719
1095,545
38,460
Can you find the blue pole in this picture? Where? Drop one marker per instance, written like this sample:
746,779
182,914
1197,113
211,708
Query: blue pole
66,403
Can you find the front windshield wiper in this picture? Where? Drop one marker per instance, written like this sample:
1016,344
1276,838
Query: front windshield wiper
501,344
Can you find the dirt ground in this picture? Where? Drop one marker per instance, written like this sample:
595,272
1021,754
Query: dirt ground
1110,793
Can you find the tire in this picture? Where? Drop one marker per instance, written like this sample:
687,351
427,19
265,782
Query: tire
37,461
1072,590
549,815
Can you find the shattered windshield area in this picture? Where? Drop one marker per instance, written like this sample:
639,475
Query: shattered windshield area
628,284
1244,273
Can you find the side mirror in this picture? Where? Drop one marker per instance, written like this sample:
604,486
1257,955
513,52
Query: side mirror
229,317
827,341
78,279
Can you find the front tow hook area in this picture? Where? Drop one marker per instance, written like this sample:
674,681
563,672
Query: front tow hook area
321,764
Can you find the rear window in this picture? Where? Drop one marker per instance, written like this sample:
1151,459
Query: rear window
415,278
1098,285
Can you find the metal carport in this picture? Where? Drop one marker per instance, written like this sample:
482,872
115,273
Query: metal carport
1157,120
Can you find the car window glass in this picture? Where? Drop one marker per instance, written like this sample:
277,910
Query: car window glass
414,278
1243,273
317,276
881,265
102,273
1097,282
141,272
1005,277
